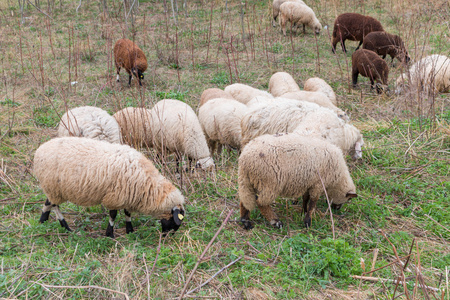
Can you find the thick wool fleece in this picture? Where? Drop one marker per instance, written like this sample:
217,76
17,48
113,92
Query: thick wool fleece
213,93
89,172
135,125
244,93
281,83
316,84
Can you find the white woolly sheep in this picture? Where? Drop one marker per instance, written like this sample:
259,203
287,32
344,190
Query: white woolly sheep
244,93
316,84
326,125
135,125
129,56
281,83
297,14
316,97
213,93
176,129
276,8
89,172
91,122
430,74
221,122
290,165
280,115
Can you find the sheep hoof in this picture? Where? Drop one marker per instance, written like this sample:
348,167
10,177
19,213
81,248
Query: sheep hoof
247,224
64,224
129,227
277,223
110,231
307,222
336,206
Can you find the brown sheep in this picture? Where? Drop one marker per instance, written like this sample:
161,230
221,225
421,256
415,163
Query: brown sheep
353,27
384,43
369,64
129,56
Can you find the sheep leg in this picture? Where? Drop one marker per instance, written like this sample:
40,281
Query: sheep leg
46,211
128,224
268,213
305,202
343,46
245,217
129,79
360,43
304,29
355,77
60,218
110,228
118,71
311,209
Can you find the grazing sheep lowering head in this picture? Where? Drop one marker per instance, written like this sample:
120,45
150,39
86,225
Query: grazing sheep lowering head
129,56
297,14
384,43
369,64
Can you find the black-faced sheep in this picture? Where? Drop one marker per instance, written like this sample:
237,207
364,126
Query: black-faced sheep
290,165
431,74
353,27
91,122
297,14
129,56
213,93
89,172
369,64
384,43
276,8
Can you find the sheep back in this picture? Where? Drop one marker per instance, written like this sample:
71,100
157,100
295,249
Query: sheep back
281,83
89,172
135,126
128,55
176,129
91,122
316,84
384,43
297,14
276,7
353,27
244,93
213,93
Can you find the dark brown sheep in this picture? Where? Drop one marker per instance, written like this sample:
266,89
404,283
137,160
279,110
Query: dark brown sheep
129,56
369,64
384,43
353,27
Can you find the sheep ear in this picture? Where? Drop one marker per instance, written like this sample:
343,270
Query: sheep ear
177,216
351,195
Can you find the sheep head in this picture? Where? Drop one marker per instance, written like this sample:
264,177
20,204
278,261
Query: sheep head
174,221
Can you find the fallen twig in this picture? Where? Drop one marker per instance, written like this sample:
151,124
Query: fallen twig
204,252
217,273
82,287
377,279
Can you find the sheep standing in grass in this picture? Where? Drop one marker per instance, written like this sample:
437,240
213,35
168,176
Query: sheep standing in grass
135,125
353,27
281,83
369,64
316,97
384,43
326,125
244,93
176,129
221,122
89,172
297,14
276,8
430,74
129,56
91,122
289,165
213,93
316,84
280,115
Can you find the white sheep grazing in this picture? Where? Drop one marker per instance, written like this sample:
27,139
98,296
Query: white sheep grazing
290,165
176,129
91,122
244,93
316,97
326,125
297,14
280,115
89,172
135,125
316,84
221,122
281,83
276,8
430,74
213,93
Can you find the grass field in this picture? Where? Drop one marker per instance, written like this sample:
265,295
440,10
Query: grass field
56,55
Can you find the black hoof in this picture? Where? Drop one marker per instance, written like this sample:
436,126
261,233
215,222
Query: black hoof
247,224
129,227
64,224
110,231
336,206
307,222
44,217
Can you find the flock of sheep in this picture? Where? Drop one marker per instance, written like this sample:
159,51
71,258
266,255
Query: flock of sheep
291,141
